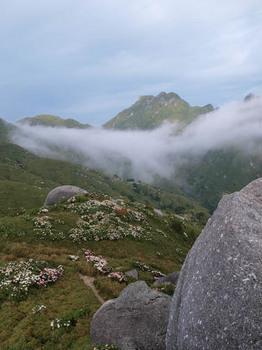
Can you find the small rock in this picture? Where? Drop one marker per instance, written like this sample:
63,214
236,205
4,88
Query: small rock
132,273
172,278
158,212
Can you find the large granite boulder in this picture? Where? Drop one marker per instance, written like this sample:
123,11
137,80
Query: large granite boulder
137,319
63,192
218,300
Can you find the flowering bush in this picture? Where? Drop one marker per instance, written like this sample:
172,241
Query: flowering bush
38,308
99,262
49,275
42,222
43,210
117,276
44,228
59,323
69,319
106,220
73,257
101,219
17,277
143,267
157,274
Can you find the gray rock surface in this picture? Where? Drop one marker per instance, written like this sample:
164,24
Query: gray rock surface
172,278
158,212
217,302
132,273
63,192
138,317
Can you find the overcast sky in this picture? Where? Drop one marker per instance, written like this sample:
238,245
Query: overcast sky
90,59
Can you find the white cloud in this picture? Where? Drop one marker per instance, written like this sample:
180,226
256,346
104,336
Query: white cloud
159,151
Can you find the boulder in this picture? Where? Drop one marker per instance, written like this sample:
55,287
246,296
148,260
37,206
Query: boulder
217,302
62,192
137,319
132,273
158,212
172,278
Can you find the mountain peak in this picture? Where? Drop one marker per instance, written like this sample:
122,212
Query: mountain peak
148,112
249,97
162,93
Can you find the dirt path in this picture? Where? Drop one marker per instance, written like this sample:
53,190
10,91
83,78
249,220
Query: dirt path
89,281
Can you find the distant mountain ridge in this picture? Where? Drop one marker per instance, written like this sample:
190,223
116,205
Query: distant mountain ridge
150,111
53,120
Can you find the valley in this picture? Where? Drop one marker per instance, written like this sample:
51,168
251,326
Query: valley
120,225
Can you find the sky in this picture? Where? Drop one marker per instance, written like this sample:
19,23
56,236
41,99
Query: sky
90,59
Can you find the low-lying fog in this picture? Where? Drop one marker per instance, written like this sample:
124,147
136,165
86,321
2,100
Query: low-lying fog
142,154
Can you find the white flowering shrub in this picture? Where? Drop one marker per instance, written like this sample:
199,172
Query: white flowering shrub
44,228
105,220
143,267
69,319
73,257
38,308
17,277
101,264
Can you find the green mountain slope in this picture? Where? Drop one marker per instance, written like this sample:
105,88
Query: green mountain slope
53,120
40,175
5,129
149,112
207,178
220,172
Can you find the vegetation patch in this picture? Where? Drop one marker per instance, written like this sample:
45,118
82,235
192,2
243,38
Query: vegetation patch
17,277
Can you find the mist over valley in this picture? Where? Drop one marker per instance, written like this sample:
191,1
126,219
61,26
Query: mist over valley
170,151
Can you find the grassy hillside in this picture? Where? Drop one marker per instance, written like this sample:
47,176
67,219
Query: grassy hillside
149,112
53,120
5,128
44,302
30,178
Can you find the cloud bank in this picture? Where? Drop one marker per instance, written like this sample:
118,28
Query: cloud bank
143,154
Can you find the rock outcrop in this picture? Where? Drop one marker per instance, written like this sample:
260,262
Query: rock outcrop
172,278
217,302
132,273
63,192
138,317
